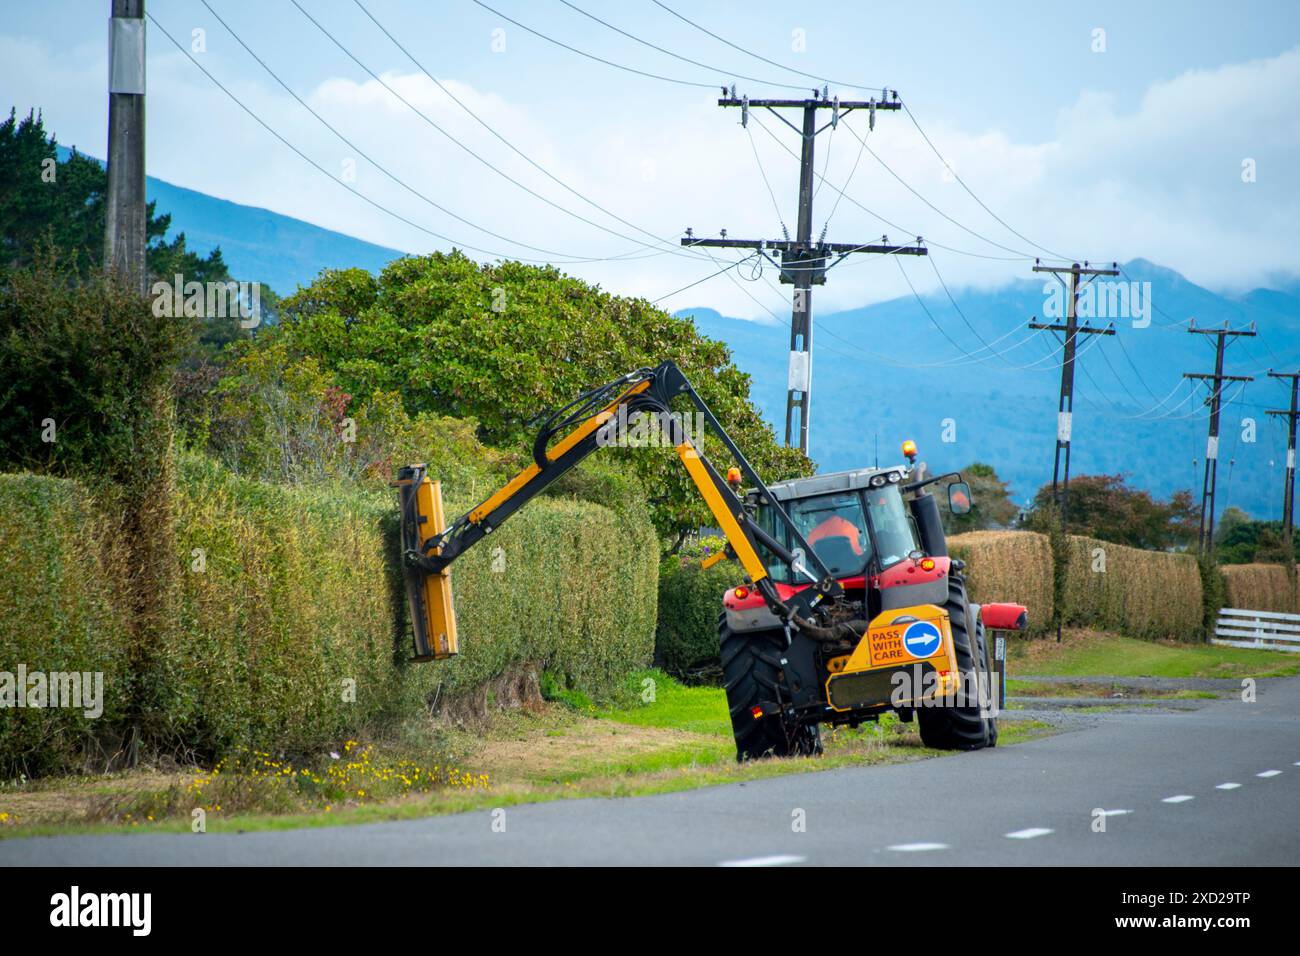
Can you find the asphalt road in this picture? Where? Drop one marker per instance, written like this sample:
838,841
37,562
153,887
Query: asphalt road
1219,785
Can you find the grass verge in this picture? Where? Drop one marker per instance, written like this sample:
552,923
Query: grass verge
1084,653
673,737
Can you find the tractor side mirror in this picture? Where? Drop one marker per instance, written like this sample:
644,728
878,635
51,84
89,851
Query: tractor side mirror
959,500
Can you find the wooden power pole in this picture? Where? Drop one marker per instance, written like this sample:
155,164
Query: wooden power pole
1065,407
124,234
1205,536
1288,491
804,261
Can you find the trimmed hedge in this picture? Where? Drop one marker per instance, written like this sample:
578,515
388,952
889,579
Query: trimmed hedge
288,595
1014,566
1259,587
690,600
1149,594
58,612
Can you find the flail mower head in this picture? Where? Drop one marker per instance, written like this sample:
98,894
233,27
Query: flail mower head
433,616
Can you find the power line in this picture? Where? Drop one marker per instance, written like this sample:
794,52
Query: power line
420,113
491,129
733,265
871,212
971,193
368,158
592,56
911,116
319,168
677,56
781,66
906,185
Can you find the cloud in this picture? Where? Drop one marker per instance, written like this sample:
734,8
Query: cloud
1161,179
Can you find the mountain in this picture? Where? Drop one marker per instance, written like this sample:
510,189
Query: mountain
885,372
257,244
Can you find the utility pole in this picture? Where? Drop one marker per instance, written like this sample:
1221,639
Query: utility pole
1205,535
1288,492
124,234
804,262
1065,406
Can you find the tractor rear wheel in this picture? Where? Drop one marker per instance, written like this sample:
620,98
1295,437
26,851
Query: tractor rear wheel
958,724
752,676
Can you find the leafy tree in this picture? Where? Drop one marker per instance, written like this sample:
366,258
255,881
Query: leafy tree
501,343
991,505
47,204
1105,507
82,362
1239,540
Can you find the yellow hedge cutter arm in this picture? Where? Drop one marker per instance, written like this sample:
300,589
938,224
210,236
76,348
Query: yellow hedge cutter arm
595,419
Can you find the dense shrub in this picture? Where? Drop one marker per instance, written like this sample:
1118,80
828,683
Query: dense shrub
59,611
300,593
690,600
290,630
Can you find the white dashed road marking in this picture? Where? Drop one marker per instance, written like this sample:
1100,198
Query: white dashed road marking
1269,773
916,847
1028,834
1114,813
1181,798
780,860
1227,786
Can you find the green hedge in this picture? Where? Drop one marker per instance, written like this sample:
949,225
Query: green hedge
690,600
286,593
58,612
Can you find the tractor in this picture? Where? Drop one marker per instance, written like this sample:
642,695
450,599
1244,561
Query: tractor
850,607
913,642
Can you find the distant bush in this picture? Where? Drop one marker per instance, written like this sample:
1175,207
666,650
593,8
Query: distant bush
690,600
59,611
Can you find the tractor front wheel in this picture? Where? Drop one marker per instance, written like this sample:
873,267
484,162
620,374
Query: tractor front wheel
752,676
961,723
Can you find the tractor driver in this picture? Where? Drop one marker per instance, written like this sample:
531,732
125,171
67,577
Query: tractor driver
835,526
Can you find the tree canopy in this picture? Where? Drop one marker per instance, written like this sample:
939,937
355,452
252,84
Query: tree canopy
502,344
1105,507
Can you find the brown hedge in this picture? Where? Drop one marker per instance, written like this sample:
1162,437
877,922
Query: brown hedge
1011,566
1260,587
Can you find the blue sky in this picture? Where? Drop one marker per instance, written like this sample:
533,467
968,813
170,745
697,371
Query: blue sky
1136,150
